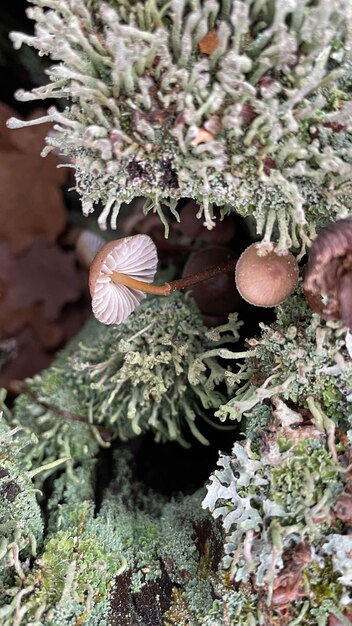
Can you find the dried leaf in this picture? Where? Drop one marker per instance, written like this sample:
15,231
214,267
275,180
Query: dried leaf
31,358
31,200
209,43
43,275
48,333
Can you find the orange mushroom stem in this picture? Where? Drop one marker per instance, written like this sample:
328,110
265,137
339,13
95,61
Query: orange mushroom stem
175,285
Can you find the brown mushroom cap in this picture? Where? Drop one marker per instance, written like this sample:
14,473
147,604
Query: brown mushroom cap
268,280
314,301
329,272
135,256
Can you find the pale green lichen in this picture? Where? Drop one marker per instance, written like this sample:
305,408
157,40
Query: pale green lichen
137,533
238,608
295,357
71,578
21,520
139,376
272,95
21,524
69,582
276,501
160,538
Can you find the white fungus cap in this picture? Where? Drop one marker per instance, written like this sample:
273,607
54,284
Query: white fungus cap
135,256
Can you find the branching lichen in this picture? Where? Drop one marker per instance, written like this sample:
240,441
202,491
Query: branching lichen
21,522
142,375
295,357
243,103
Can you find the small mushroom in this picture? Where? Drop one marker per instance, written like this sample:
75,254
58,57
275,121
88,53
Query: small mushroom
265,280
87,246
328,275
133,258
122,272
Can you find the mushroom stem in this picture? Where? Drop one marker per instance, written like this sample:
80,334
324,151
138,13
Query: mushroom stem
175,285
133,283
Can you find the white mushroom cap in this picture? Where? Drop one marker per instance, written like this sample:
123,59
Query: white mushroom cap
135,256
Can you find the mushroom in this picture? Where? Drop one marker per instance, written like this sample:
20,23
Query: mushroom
87,246
327,280
265,280
122,272
119,277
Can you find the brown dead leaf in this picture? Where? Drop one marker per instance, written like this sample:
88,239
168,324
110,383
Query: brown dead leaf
31,358
49,334
31,201
44,275
209,43
288,585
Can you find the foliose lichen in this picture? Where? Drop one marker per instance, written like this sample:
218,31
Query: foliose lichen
286,534
235,102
